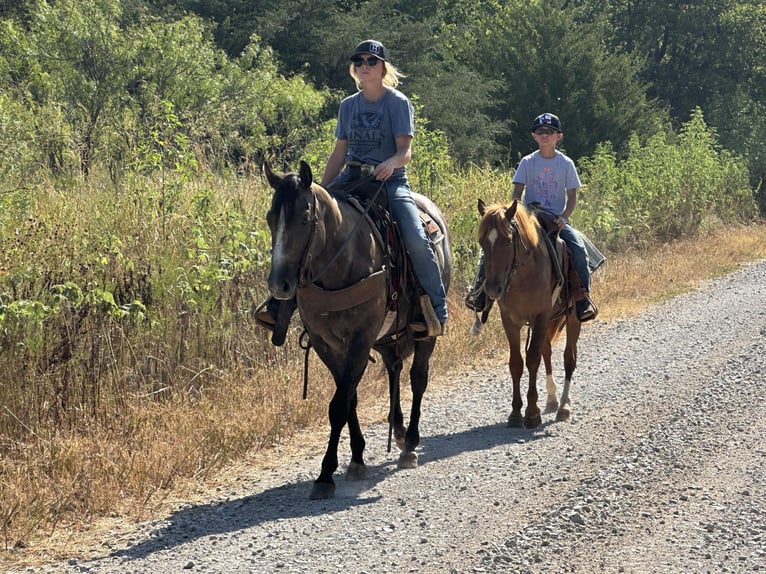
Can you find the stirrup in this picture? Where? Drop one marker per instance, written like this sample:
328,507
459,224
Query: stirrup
433,326
476,300
276,320
588,312
420,330
264,318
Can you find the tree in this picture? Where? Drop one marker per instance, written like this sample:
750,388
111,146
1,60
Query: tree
701,53
545,60
80,44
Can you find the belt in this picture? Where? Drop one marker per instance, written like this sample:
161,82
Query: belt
358,168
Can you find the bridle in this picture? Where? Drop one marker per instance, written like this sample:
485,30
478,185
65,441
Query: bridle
303,270
304,277
516,241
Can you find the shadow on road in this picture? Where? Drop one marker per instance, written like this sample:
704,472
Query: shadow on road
292,500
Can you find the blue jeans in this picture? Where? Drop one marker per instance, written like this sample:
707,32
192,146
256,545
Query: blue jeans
579,255
404,212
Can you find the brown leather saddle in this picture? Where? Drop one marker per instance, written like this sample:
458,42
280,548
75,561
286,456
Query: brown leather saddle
369,197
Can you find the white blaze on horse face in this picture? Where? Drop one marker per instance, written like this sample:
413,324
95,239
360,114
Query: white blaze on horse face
279,252
492,236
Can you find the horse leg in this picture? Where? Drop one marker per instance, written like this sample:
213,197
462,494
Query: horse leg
342,410
419,383
394,368
324,485
357,470
516,366
570,363
532,417
552,401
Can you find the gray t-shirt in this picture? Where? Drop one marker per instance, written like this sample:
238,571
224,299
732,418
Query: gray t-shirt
371,128
547,180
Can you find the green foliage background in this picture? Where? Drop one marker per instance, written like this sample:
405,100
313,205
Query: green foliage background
131,134
133,242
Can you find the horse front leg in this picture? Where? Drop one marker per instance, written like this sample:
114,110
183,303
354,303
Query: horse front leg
324,485
342,410
516,367
532,415
552,401
357,470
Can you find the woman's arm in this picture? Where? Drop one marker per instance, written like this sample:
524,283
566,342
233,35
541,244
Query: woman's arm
335,162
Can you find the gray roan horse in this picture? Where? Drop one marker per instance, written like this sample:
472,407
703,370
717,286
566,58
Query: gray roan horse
325,251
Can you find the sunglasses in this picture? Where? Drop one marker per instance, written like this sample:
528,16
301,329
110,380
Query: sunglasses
372,61
545,132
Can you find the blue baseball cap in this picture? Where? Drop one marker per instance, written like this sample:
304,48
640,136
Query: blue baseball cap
546,121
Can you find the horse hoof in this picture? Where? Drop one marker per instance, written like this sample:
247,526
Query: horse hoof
515,422
551,407
533,422
408,460
563,415
322,490
356,471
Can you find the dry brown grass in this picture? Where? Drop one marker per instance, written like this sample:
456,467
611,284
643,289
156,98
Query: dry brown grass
240,423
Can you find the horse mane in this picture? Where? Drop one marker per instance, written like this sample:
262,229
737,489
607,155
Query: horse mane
526,223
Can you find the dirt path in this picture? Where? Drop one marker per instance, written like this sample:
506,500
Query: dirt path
662,469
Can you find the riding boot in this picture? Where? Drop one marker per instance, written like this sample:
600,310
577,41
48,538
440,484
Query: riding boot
275,316
476,299
586,309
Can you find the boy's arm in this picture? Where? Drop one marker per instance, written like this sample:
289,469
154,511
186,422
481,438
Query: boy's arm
571,204
518,189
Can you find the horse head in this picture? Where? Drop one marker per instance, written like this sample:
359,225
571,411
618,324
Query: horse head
292,222
500,242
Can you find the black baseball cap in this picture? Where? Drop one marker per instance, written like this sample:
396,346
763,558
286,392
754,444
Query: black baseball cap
372,47
546,121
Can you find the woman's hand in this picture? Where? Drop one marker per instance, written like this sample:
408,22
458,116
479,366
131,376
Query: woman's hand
384,170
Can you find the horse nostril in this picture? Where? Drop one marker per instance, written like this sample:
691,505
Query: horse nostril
493,291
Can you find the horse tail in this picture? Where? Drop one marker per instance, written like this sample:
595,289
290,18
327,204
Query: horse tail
555,327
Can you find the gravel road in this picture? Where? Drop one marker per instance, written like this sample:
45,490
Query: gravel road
660,470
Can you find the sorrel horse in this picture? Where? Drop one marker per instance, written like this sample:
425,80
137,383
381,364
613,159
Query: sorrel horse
520,277
325,251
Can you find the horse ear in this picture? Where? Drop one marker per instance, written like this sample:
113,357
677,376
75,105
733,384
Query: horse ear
511,211
305,174
482,208
272,177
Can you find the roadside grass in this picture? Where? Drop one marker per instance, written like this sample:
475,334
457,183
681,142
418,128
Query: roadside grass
65,489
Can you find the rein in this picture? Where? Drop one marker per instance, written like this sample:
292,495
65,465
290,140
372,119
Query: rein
315,221
516,238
